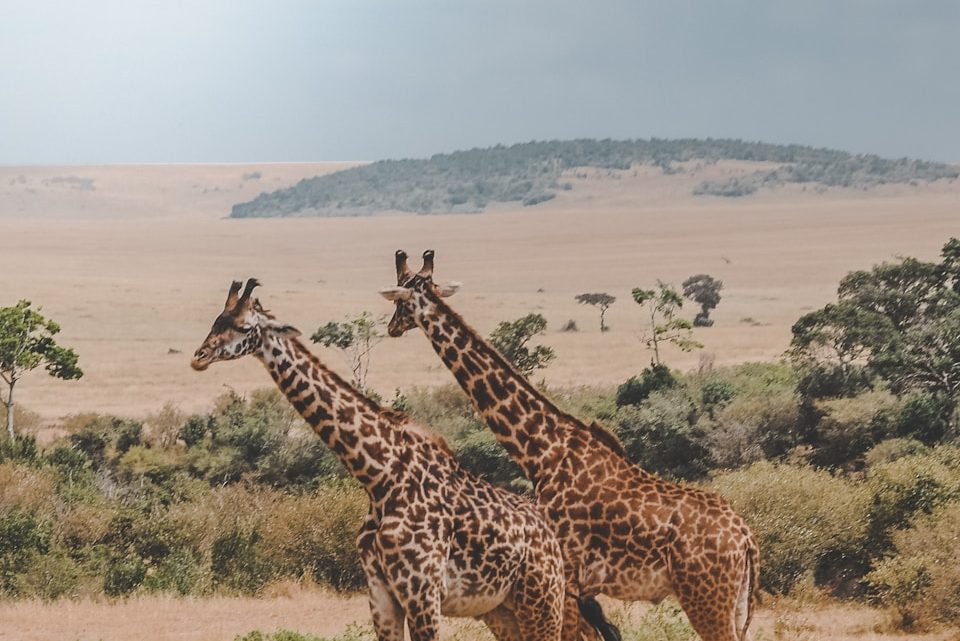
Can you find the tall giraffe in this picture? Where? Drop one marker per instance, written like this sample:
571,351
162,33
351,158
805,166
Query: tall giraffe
624,532
436,539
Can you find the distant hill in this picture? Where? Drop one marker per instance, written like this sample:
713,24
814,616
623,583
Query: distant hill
531,173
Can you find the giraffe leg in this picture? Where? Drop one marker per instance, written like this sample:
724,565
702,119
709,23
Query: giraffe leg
385,611
711,603
538,596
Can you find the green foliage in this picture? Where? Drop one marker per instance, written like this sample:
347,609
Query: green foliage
26,343
662,435
635,390
900,320
908,487
921,577
528,173
510,338
810,525
665,327
601,300
848,427
704,290
236,562
480,453
22,538
356,337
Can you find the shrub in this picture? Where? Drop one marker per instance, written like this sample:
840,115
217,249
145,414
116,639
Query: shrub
908,487
22,537
480,453
50,576
446,409
636,390
892,449
925,417
922,578
848,427
193,430
235,563
314,536
662,436
810,525
124,575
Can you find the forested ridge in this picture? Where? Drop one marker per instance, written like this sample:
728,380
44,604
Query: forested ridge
531,173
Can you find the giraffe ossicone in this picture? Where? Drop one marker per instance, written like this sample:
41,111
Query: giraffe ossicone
436,539
625,533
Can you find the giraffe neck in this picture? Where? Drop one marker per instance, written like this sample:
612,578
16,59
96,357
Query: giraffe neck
348,422
529,426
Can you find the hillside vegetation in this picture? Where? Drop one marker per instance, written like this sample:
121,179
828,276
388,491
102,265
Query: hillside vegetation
531,173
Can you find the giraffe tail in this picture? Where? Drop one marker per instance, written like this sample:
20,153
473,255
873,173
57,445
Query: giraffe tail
593,613
747,600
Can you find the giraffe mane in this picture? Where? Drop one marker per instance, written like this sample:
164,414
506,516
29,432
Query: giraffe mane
602,435
403,421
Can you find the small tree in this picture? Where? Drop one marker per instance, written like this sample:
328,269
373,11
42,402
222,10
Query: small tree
26,343
665,326
601,300
704,290
510,338
356,337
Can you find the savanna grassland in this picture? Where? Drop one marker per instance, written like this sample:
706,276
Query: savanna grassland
151,501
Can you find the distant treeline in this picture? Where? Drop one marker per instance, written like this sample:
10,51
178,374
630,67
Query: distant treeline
530,173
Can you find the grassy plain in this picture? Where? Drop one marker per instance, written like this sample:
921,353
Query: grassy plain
135,262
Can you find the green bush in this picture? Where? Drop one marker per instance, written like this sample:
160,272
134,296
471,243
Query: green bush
22,538
925,417
662,436
480,453
314,536
908,487
810,526
848,427
236,563
921,577
124,575
636,390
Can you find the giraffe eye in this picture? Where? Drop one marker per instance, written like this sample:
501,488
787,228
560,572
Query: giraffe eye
243,328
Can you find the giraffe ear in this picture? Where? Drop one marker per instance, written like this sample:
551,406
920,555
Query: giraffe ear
396,293
448,289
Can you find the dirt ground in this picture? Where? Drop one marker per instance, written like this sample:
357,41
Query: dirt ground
161,618
134,262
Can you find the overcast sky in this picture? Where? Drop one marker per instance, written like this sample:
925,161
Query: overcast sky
288,80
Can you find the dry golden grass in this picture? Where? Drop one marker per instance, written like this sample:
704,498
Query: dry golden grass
163,618
136,269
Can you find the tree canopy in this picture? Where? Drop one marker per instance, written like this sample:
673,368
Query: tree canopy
511,339
602,300
897,321
26,343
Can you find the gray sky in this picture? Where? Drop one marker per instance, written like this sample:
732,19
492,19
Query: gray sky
289,80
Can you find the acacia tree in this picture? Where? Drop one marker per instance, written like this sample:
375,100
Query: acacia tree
355,338
898,321
601,300
663,304
26,343
704,290
510,338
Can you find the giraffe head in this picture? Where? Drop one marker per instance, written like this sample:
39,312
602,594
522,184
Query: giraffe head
414,293
239,329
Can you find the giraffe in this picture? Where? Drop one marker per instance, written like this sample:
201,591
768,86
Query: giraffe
436,539
625,532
